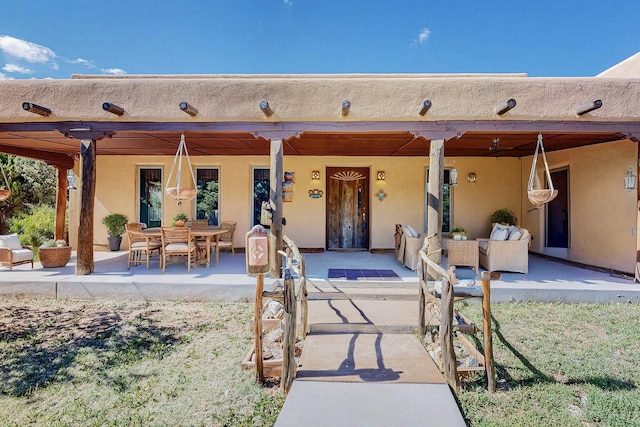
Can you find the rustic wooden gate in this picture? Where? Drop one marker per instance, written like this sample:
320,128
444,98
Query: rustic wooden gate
347,208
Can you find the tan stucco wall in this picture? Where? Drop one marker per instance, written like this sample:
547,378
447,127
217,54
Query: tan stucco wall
497,187
602,213
318,98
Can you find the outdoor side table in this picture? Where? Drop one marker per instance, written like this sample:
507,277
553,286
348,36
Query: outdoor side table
463,253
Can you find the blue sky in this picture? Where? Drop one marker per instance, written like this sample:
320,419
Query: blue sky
44,38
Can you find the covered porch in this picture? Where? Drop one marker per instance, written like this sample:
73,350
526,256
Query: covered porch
309,124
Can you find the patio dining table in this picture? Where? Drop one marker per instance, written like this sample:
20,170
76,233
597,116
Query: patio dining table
208,233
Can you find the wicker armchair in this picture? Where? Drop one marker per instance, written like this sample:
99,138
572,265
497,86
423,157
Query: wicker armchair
506,255
13,253
410,244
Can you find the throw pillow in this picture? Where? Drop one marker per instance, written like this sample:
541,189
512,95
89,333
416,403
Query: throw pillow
502,234
497,228
515,234
10,241
410,231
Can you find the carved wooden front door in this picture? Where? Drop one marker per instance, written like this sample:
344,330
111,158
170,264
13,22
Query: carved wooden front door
347,208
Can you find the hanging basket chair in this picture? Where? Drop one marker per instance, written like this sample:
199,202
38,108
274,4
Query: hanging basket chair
538,196
178,192
5,193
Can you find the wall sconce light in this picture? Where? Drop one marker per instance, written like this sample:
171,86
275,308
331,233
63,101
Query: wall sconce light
453,176
589,106
35,108
425,107
264,106
315,175
472,177
630,180
188,108
71,180
346,106
380,175
112,108
316,193
505,106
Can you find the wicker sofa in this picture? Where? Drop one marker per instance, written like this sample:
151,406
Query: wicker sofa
12,253
506,250
410,244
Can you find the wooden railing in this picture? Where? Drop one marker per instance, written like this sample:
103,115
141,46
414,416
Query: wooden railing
289,292
428,273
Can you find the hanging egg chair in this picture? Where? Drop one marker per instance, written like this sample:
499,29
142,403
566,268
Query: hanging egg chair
178,192
6,191
538,195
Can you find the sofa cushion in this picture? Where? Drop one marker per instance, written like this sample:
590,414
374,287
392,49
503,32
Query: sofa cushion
409,231
20,255
482,245
10,241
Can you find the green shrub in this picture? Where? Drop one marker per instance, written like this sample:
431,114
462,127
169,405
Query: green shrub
504,216
36,227
115,224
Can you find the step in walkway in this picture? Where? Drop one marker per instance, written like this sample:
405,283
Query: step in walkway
363,365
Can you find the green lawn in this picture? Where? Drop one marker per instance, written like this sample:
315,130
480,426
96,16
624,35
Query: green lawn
560,365
129,364
69,363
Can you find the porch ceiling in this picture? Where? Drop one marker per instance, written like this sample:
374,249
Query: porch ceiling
339,142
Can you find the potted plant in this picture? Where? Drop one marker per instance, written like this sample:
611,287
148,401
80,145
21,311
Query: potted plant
115,224
504,216
180,219
459,233
53,255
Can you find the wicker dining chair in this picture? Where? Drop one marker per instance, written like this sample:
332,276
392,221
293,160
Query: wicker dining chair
142,244
199,224
225,240
178,242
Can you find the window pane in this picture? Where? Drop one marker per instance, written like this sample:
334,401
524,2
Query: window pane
260,191
447,207
150,207
207,206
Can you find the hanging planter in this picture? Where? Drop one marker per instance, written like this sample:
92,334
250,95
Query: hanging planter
4,192
538,195
178,192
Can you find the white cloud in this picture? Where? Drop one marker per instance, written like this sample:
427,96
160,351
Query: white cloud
287,1
423,36
116,71
21,49
82,61
13,68
25,51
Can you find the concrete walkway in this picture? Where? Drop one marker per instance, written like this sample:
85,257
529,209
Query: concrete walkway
363,365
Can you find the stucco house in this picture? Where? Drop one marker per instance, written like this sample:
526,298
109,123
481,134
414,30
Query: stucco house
373,131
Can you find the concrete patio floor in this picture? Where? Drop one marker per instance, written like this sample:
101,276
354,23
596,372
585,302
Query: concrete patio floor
547,280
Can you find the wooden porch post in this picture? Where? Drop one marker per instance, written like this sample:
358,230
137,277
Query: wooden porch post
434,212
275,194
61,202
84,263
